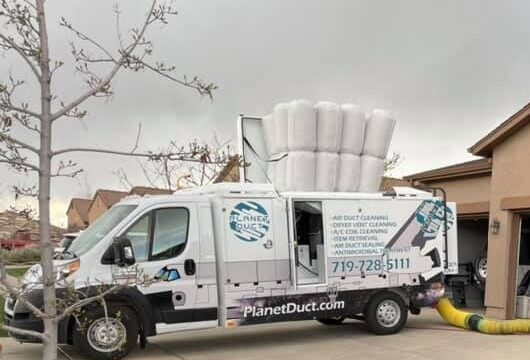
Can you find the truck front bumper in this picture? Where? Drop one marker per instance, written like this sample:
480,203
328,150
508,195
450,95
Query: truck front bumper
18,316
23,321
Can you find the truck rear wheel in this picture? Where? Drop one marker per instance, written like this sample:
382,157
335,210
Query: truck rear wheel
106,338
386,313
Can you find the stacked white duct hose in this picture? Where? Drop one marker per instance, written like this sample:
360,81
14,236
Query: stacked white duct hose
354,124
275,134
329,147
301,145
379,129
329,137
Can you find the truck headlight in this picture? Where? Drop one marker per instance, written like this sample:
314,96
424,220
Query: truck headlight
34,275
65,270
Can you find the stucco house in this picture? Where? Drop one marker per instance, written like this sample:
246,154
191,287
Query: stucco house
493,198
77,214
102,201
83,212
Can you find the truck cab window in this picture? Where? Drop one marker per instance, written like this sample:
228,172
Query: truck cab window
170,233
160,234
139,235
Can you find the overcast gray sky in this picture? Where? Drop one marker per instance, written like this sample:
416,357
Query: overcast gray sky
449,70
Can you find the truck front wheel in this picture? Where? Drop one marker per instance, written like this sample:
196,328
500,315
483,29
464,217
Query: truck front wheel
108,337
386,313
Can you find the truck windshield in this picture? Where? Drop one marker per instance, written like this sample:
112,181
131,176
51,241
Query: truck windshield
95,232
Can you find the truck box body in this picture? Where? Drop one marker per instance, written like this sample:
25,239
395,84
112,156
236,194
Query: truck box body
252,259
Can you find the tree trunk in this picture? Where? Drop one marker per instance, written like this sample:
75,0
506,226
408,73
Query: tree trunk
46,250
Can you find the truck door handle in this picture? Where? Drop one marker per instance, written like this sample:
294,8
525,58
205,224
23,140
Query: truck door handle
189,267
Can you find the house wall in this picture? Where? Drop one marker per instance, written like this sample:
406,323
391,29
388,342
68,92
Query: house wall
510,180
74,220
97,209
468,190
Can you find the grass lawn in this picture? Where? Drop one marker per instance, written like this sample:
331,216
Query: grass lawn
18,273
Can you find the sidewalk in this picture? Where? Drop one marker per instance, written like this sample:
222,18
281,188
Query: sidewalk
12,350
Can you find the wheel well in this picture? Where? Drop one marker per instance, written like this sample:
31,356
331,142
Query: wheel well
403,294
398,291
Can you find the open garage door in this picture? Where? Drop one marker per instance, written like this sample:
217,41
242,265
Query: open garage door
523,269
467,287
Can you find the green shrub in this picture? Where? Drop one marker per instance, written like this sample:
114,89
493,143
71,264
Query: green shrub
20,256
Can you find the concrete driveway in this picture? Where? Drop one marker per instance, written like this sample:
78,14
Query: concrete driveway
426,337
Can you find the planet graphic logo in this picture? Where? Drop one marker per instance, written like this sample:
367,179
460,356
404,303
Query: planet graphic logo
430,215
249,221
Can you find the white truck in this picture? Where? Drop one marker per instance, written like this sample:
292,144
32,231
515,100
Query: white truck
240,254
237,254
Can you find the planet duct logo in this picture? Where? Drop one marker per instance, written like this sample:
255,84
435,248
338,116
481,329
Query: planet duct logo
430,215
249,221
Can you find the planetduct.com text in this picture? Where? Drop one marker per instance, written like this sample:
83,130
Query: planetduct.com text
291,308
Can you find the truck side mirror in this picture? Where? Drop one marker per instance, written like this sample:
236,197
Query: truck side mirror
123,252
67,242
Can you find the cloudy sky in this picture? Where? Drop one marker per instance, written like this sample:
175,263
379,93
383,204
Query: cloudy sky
449,70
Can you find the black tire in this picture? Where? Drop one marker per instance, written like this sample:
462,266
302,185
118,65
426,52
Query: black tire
92,328
481,268
386,313
332,321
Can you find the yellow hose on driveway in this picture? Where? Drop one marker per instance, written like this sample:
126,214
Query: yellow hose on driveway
478,322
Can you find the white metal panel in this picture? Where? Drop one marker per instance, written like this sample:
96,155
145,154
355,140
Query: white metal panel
452,243
250,129
249,229
364,227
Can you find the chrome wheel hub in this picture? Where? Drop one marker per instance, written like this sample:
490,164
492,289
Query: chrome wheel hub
388,313
483,267
106,334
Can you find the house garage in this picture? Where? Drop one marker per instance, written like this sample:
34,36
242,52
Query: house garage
493,206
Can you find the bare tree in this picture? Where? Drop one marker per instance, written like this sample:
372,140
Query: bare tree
392,162
24,33
173,172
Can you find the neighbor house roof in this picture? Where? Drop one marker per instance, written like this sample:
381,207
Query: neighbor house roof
388,183
81,206
484,147
469,168
145,190
110,197
230,172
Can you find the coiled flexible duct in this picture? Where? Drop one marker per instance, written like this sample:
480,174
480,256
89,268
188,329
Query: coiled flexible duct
479,323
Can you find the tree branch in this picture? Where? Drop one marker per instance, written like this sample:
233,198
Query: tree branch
19,163
195,83
186,157
85,37
19,109
21,52
20,297
103,83
82,303
12,140
29,333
